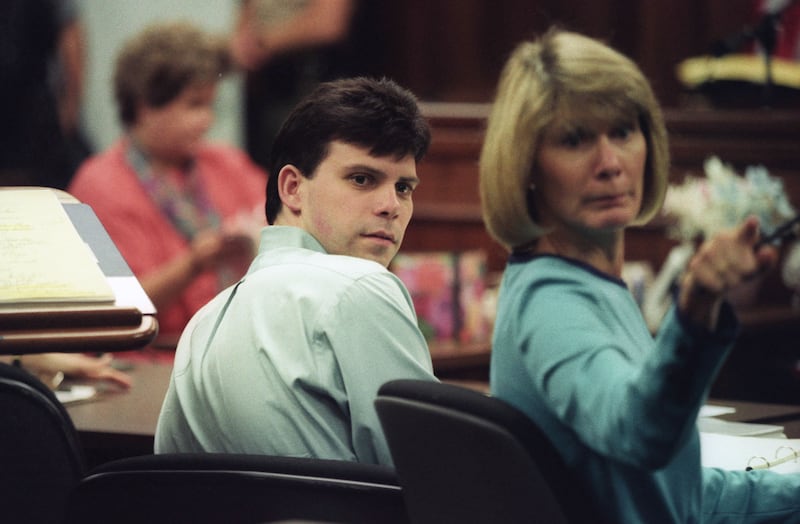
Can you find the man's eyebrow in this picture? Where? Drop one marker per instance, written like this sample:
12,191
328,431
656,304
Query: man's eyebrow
413,180
365,168
380,173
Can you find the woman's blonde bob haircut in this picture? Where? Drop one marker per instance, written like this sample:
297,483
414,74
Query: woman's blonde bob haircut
561,75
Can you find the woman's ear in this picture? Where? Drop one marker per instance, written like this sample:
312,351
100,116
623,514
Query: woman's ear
290,188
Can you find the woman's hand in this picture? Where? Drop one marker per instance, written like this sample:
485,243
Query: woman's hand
721,264
211,249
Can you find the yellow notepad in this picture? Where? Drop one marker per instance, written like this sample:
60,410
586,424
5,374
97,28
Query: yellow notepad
43,259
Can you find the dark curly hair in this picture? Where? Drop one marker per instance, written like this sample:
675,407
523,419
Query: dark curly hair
156,65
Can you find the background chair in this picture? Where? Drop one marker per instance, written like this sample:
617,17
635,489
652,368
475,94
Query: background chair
462,456
40,456
230,489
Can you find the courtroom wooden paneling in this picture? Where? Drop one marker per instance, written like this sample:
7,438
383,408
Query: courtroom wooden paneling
770,137
447,203
447,213
453,51
764,364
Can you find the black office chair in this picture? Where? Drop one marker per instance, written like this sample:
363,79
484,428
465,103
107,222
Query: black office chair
231,489
40,456
462,456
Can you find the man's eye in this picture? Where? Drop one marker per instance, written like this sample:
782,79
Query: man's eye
404,188
360,180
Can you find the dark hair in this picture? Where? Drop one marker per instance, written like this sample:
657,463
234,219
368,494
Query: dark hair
376,114
158,63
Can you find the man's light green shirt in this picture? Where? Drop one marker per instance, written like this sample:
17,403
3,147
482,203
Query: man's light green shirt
289,361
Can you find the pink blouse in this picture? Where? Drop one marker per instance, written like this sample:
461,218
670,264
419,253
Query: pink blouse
145,236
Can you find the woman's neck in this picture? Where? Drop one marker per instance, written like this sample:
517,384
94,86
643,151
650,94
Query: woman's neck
605,253
157,160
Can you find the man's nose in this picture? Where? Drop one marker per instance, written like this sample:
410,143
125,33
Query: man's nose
389,202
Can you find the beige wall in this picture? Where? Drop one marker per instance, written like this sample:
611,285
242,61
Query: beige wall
108,23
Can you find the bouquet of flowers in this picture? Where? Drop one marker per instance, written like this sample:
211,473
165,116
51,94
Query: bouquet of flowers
700,207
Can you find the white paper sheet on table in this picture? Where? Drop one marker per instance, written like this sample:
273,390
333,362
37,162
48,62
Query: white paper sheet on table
75,393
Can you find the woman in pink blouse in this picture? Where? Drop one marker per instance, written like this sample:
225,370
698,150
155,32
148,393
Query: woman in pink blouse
182,211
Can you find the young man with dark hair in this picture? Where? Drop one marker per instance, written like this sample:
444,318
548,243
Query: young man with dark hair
289,360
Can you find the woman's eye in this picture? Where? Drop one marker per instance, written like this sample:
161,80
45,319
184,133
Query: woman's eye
573,139
622,131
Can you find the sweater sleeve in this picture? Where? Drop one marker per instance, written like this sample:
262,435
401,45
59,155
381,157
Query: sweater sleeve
625,395
750,496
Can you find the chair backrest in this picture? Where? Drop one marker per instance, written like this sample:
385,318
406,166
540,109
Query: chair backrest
231,488
40,456
462,456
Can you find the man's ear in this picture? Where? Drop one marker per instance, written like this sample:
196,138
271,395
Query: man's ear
290,187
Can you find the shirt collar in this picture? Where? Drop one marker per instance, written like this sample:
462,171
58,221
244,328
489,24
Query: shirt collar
273,237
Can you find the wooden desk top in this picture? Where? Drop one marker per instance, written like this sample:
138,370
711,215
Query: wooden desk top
133,412
461,361
118,424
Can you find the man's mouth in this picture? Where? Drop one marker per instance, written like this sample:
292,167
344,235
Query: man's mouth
382,235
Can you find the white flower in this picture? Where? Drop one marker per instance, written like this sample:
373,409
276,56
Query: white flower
701,207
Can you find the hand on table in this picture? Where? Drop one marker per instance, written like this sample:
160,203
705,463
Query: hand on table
78,366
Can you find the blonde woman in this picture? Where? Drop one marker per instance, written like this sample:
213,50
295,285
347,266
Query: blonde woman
576,152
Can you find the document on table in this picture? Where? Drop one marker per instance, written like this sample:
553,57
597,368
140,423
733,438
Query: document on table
76,393
713,410
734,452
742,429
43,257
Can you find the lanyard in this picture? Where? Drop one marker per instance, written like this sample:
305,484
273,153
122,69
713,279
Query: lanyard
187,207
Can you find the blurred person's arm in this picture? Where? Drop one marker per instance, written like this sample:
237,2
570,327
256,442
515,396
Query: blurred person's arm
72,365
209,250
71,54
255,41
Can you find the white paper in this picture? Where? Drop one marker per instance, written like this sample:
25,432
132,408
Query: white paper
75,393
715,411
744,429
736,452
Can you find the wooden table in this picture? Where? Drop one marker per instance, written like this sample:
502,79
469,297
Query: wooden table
117,423
461,361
